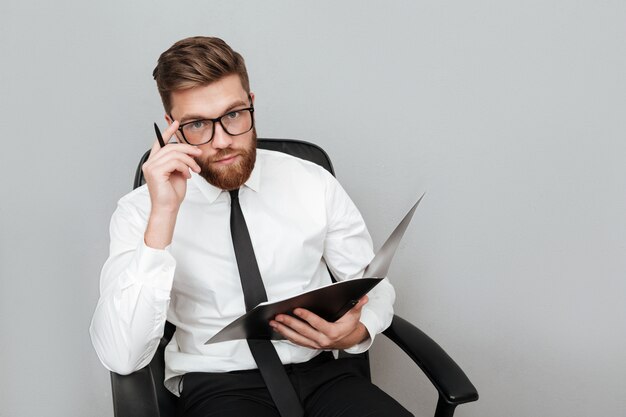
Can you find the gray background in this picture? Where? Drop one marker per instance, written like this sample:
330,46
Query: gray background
510,114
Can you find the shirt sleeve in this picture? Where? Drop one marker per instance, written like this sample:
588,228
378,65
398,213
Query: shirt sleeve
348,250
135,286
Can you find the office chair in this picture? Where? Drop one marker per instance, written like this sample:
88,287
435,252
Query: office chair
142,393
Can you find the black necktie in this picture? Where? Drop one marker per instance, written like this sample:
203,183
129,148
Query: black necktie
273,373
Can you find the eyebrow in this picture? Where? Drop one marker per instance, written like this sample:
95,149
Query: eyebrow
192,116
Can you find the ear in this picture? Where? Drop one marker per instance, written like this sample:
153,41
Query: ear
251,97
168,119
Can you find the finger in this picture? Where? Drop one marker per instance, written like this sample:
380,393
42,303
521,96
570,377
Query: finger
178,156
293,336
183,169
167,137
360,304
355,310
299,326
327,333
165,168
177,150
330,329
170,131
315,321
180,147
161,167
155,148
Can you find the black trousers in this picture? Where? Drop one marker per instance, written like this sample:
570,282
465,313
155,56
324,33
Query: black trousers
327,388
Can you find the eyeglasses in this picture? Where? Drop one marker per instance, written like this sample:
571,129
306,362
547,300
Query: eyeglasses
235,123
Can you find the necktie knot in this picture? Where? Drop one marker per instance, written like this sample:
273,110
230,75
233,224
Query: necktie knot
234,194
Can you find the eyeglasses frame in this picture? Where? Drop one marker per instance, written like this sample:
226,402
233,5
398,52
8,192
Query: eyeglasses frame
214,121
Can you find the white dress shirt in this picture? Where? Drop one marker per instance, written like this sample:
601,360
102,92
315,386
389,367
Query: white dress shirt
300,220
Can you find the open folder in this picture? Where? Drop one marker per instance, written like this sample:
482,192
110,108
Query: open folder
329,302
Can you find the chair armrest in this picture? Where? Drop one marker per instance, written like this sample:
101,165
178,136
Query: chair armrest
453,385
134,395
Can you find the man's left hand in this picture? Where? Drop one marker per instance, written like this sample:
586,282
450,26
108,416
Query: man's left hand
310,330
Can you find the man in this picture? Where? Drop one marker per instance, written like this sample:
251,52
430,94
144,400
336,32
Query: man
172,256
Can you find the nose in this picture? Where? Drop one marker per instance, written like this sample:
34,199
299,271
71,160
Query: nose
221,139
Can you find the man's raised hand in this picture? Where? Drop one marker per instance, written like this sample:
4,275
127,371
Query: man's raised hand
166,172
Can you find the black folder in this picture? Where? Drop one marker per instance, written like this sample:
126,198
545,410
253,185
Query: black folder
329,302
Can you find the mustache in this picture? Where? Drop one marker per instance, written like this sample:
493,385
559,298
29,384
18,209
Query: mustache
221,154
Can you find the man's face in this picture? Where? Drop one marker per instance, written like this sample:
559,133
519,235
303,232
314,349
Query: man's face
226,161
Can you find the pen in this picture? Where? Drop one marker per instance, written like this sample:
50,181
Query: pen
159,137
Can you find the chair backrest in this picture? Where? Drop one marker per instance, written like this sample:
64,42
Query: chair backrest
298,148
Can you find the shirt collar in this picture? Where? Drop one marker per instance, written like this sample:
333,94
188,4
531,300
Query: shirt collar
254,182
211,192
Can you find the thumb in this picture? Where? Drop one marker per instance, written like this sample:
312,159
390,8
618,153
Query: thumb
359,305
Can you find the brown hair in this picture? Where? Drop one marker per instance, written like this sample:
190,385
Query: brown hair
196,61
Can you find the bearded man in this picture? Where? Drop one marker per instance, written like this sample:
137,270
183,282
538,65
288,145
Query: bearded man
173,256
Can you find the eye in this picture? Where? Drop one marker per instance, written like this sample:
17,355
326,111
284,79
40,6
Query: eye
233,115
196,125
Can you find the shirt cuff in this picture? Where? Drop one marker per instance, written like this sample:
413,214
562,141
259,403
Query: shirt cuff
371,323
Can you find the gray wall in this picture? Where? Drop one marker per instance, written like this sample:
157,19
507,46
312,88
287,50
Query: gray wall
509,113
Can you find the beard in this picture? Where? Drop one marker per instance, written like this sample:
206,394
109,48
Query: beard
232,176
